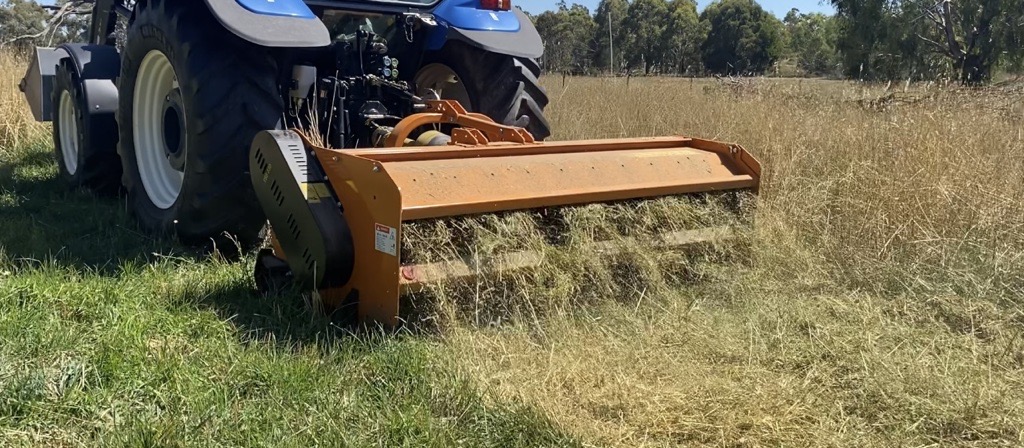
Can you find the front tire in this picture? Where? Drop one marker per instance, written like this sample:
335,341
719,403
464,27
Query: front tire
192,98
505,88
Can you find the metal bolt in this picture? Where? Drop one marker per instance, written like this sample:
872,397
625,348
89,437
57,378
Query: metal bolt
334,158
376,169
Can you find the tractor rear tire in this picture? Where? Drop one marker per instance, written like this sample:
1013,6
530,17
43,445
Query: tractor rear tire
83,145
505,88
192,97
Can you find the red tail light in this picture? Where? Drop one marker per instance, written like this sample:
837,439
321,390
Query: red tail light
497,5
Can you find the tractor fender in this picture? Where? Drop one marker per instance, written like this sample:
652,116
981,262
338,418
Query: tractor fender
98,67
278,23
271,24
502,32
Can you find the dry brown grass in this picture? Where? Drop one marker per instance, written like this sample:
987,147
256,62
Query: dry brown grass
583,256
17,126
884,200
882,306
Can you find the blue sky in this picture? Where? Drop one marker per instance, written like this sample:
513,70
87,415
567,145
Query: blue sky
778,7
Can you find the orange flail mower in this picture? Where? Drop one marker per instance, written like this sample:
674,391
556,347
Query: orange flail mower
337,214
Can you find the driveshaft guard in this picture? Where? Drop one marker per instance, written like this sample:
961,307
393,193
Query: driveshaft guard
306,217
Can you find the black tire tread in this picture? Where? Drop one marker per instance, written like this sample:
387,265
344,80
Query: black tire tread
230,90
503,87
99,168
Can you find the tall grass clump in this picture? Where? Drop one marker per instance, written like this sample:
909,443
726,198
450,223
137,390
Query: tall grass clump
578,256
920,195
924,198
17,127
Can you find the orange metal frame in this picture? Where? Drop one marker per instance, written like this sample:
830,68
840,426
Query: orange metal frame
381,188
477,129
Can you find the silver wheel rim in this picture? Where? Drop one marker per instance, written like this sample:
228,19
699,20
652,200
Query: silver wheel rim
154,83
68,131
443,80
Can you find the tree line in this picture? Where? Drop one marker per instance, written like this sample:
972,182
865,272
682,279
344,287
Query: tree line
963,40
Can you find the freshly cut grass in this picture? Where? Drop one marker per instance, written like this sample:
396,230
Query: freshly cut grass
181,353
578,256
738,364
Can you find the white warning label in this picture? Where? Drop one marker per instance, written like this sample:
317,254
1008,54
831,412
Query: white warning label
386,239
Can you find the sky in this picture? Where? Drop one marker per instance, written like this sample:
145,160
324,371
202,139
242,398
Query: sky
777,7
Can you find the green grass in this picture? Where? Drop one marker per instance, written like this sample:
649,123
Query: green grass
110,337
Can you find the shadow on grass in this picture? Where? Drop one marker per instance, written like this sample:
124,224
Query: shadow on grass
282,318
43,220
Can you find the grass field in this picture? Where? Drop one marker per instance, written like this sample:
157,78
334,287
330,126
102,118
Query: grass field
881,305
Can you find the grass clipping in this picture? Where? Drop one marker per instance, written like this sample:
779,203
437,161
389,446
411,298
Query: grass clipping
577,256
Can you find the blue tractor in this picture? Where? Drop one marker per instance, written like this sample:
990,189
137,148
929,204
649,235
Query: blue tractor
165,100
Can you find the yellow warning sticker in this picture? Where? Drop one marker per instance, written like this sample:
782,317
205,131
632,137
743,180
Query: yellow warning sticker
314,192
